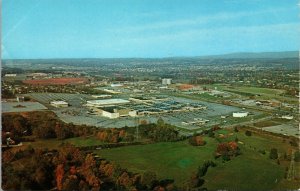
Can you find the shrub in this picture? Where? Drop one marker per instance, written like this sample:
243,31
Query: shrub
273,154
297,156
248,133
294,142
227,150
197,141
236,129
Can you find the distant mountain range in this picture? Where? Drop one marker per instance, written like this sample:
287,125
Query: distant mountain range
238,55
286,54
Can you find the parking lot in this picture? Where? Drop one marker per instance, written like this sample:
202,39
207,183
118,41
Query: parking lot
78,114
23,106
72,99
286,129
213,112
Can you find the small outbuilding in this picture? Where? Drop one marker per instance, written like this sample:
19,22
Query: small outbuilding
240,114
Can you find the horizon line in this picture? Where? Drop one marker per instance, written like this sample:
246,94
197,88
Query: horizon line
163,57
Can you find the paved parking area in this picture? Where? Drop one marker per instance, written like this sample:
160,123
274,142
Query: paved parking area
26,106
286,129
73,99
78,114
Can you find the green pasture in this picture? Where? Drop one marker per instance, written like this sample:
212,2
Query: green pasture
178,160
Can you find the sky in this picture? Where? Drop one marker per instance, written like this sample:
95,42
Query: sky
146,28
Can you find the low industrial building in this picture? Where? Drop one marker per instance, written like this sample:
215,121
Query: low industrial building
240,114
103,96
59,104
114,112
166,81
10,75
287,117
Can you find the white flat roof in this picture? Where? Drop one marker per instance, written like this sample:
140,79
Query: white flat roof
58,102
107,101
241,112
102,95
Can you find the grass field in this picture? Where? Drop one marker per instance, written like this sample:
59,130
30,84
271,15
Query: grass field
265,93
169,160
207,96
178,160
257,142
251,170
255,90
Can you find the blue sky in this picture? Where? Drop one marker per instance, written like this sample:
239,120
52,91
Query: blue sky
146,28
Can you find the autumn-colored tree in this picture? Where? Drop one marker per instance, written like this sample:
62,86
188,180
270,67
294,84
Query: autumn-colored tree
170,187
7,156
69,154
71,183
124,180
102,135
61,132
226,150
222,148
159,188
216,127
136,179
143,122
73,170
197,141
59,174
40,175
114,138
106,169
233,145
88,170
122,134
83,186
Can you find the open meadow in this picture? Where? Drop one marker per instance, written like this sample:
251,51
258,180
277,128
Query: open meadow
179,160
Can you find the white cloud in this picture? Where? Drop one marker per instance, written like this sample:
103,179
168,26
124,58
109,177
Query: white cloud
280,30
197,21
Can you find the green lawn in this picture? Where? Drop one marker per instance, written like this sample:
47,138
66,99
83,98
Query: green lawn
256,90
169,160
249,171
261,142
266,93
207,96
179,160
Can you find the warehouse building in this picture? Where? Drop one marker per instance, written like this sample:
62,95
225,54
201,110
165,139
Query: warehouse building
166,81
114,112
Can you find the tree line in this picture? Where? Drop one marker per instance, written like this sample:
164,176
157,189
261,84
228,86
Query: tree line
68,168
